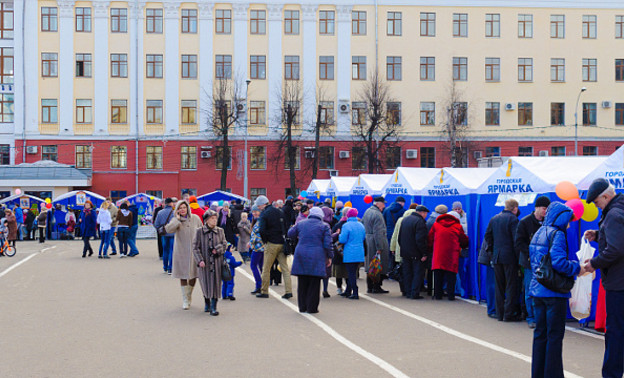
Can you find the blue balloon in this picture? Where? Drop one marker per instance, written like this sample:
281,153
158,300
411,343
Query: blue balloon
304,193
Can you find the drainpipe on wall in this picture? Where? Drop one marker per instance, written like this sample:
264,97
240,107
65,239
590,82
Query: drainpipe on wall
24,80
376,36
136,97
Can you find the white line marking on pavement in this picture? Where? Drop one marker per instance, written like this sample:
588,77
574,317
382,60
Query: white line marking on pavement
341,339
23,261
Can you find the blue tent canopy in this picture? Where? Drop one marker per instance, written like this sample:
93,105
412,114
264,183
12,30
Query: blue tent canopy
317,190
25,201
77,198
339,188
219,195
145,205
367,184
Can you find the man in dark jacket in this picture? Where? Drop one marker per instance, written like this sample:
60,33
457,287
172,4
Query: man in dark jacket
413,243
272,229
154,217
289,212
500,236
392,214
527,227
610,260
133,229
163,218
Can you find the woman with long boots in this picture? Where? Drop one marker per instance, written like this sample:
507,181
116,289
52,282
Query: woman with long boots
257,250
104,220
87,227
185,225
208,248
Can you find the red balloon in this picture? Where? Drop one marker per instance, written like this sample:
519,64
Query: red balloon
577,208
368,198
48,205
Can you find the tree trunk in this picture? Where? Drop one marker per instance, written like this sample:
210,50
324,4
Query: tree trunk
317,138
225,162
290,153
370,152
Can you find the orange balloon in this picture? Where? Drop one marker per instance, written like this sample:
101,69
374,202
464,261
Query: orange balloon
566,191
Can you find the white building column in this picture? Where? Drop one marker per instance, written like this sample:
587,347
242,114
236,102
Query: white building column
240,71
172,68
275,66
27,73
206,64
100,67
135,68
66,66
308,71
343,68
19,117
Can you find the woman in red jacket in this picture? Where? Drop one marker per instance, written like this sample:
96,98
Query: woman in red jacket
446,238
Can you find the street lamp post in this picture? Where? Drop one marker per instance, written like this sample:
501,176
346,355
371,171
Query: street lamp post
576,121
245,178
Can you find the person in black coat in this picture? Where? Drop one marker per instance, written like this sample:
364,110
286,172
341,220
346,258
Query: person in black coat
500,236
413,242
289,213
527,227
159,239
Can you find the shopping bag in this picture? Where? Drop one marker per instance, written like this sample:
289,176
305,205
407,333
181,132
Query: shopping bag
374,269
580,302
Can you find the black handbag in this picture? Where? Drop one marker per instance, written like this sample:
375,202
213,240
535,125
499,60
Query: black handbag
338,253
226,273
289,244
550,278
161,230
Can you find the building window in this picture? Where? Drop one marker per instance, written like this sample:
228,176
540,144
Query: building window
223,67
154,111
492,113
49,19
257,22
589,114
327,112
590,150
83,157
427,24
460,24
154,20
49,153
257,157
558,151
116,195
492,151
492,25
557,114
358,68
557,70
49,64
358,23
119,157
525,69
189,66
619,27
291,22
154,193
460,69
83,65
5,156
394,23
291,67
189,21
589,26
6,65
6,20
189,111
256,113
427,113
326,68
188,157
619,70
223,24
525,114
154,157
256,192
49,111
619,114
427,68
119,65
525,151
358,158
492,69
297,157
154,66
525,26
258,67
219,157
83,19
460,115
7,108
326,22
119,20
589,69
557,26
326,157
393,157
427,157
83,111
393,113
119,111
358,115
393,68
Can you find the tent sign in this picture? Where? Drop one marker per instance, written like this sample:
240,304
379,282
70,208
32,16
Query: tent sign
396,189
359,191
510,185
443,190
616,179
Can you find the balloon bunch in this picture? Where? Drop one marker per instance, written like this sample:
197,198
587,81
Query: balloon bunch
581,209
304,193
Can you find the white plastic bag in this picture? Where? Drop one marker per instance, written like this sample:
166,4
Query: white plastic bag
580,302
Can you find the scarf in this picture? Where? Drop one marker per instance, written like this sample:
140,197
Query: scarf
224,217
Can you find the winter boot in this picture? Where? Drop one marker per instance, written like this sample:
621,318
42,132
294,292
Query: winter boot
189,294
213,307
185,301
206,304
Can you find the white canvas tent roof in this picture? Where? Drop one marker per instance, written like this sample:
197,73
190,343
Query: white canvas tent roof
318,185
456,181
17,196
73,193
369,184
409,181
611,169
340,186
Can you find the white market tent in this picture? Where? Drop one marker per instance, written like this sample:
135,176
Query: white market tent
340,186
456,181
318,187
408,181
611,169
368,183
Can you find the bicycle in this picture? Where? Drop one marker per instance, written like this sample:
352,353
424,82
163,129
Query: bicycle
8,250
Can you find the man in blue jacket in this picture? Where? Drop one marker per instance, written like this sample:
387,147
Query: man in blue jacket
610,260
164,216
133,229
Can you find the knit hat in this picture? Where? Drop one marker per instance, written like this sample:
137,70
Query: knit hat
457,205
352,213
379,199
255,208
317,211
420,208
168,200
209,213
596,188
400,199
441,209
542,201
192,199
261,200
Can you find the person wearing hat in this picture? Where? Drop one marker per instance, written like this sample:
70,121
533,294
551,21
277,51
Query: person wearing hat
376,242
392,214
87,226
257,249
610,261
352,235
459,213
195,208
163,218
413,248
527,227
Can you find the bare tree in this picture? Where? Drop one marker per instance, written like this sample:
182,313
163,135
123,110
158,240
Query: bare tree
325,118
378,123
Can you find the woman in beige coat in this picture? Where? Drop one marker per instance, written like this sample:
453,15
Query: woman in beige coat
244,232
184,225
208,248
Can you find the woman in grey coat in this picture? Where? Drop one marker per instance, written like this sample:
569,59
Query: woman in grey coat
184,224
244,235
208,248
